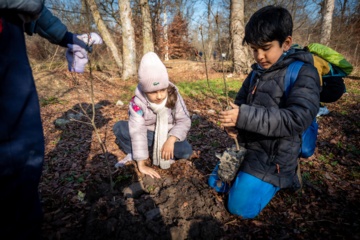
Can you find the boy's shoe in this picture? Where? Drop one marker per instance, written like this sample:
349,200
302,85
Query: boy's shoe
126,159
297,182
323,111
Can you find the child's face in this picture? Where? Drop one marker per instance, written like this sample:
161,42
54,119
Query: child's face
270,52
157,97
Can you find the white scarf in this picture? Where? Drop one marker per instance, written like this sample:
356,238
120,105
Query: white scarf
161,132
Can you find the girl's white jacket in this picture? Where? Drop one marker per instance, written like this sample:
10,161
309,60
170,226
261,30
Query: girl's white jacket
143,119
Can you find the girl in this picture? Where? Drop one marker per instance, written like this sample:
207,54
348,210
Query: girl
158,120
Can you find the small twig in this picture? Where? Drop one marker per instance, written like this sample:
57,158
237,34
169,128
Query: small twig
93,124
52,59
237,144
222,61
102,144
223,71
320,220
79,121
232,221
206,69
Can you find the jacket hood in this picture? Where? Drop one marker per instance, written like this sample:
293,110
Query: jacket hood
291,56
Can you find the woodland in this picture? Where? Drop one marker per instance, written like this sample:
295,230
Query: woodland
85,197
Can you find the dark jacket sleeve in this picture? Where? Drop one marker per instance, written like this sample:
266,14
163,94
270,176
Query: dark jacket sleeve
47,26
301,107
31,7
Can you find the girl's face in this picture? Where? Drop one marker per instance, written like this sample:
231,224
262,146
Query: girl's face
268,54
157,97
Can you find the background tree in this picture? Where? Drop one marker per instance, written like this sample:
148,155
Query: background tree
237,28
327,18
184,17
128,37
105,34
148,43
178,38
166,38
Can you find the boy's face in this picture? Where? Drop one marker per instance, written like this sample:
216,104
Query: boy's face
269,53
157,97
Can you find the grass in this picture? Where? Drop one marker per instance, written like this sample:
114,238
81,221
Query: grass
201,88
49,101
198,89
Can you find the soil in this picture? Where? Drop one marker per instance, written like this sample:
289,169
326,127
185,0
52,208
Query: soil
85,197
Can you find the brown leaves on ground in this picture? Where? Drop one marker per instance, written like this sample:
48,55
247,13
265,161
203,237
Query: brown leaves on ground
79,203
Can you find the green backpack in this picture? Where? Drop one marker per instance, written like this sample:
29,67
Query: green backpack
339,66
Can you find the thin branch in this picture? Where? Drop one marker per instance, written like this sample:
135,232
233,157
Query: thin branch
206,69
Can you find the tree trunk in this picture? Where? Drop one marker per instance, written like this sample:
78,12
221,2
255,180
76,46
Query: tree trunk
327,22
210,34
105,34
241,60
148,43
166,39
128,38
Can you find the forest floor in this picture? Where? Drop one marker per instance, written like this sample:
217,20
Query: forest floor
80,202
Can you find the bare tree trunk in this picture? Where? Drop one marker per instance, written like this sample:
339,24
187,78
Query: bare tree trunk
210,29
327,22
166,39
241,60
105,34
148,43
128,37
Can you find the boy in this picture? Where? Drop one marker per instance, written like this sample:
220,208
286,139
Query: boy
269,124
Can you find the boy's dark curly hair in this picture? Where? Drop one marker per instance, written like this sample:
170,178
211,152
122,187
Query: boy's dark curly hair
268,24
172,97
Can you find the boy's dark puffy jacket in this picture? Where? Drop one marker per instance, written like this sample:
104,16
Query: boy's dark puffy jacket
270,125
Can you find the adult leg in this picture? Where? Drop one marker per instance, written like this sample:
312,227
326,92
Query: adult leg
249,195
21,138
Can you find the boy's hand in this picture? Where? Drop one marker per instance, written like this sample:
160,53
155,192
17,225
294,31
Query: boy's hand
147,170
167,151
228,118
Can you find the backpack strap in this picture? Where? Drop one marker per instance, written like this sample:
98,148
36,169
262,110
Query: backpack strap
252,76
290,76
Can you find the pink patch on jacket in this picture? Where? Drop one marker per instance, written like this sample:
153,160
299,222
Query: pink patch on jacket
135,107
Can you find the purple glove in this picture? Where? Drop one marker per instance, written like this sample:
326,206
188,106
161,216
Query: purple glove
77,58
86,40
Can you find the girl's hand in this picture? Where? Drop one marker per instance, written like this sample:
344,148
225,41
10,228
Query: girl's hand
167,150
147,170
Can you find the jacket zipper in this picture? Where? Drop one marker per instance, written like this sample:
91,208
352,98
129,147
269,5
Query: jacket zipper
254,89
